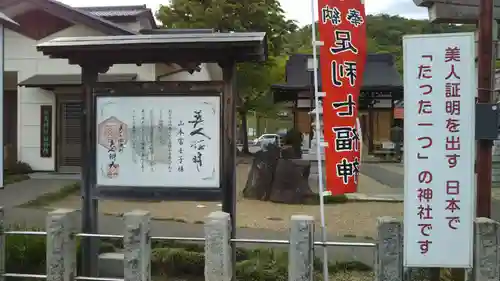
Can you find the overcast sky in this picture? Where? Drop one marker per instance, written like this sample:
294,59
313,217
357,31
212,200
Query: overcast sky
299,10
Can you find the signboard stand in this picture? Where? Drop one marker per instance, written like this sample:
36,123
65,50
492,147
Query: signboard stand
128,147
439,150
138,50
485,13
90,213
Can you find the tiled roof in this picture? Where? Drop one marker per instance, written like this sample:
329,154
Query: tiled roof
71,14
380,72
116,11
5,20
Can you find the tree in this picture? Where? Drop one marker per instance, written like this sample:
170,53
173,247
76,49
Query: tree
384,35
254,80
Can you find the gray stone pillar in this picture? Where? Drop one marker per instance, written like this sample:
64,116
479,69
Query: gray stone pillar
389,253
61,228
218,258
301,254
137,246
2,244
486,252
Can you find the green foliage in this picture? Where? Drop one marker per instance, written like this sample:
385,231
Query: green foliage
230,15
251,265
27,254
293,138
177,262
254,80
384,34
335,199
20,168
13,178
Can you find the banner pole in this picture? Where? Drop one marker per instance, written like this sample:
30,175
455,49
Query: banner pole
319,148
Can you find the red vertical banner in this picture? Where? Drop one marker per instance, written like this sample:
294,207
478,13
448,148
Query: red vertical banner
342,29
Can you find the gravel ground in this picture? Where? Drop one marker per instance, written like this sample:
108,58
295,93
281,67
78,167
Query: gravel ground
356,218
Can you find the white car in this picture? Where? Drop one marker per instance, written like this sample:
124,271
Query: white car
266,139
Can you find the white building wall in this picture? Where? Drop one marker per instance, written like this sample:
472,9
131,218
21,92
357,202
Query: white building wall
134,26
203,75
21,56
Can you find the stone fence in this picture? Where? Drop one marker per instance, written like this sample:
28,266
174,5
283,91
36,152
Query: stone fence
61,233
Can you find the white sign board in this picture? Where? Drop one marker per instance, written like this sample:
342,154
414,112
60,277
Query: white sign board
158,141
440,196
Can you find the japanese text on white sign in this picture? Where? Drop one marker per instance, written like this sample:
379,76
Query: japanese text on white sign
439,97
158,141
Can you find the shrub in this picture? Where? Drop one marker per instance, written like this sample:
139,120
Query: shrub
293,138
177,262
20,168
26,254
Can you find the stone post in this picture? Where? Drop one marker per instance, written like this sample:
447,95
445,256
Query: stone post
137,246
218,258
389,252
301,252
61,228
2,244
486,252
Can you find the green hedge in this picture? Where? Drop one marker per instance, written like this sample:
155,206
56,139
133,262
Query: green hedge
26,254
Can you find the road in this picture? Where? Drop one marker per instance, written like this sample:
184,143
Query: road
22,192
386,173
393,175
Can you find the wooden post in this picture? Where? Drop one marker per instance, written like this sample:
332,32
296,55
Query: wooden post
229,149
484,148
89,204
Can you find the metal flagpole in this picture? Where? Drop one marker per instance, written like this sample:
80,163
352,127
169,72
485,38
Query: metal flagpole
319,148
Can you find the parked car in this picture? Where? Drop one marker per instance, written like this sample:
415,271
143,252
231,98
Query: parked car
266,139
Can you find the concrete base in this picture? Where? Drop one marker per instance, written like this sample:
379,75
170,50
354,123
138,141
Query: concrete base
111,265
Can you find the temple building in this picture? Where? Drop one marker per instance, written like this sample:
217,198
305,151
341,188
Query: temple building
382,89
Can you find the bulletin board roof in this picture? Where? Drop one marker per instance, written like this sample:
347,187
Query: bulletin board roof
153,48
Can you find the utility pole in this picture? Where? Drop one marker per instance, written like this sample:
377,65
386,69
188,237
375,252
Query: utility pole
484,147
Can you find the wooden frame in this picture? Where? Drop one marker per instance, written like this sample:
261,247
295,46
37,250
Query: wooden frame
158,192
46,130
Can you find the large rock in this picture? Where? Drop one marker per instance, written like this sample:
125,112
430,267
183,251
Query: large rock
290,184
260,177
